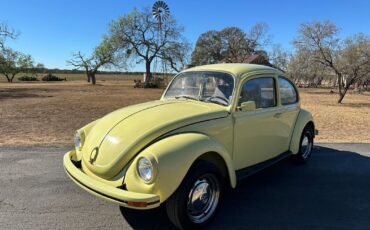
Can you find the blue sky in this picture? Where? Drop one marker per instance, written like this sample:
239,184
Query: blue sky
52,30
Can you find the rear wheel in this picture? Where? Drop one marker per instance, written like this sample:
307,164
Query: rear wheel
306,144
195,202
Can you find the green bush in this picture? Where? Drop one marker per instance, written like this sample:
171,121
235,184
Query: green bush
51,77
28,78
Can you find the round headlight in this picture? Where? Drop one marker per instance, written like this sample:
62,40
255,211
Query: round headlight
145,169
78,140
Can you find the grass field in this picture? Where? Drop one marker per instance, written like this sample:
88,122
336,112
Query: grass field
48,113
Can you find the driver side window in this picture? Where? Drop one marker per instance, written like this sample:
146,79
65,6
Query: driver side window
261,91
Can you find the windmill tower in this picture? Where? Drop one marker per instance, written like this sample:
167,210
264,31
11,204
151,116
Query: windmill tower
161,13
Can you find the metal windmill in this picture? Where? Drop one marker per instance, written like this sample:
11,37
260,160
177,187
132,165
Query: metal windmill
161,12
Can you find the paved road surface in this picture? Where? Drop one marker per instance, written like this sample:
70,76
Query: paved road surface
332,191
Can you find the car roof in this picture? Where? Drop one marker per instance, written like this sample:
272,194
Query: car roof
237,69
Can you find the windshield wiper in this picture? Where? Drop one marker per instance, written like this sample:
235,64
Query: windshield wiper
201,99
219,103
216,102
210,100
187,97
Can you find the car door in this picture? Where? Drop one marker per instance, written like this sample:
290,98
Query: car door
257,133
289,108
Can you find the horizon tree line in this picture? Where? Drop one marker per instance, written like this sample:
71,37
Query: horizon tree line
319,53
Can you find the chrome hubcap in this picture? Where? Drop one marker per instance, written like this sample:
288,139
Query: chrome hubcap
306,147
203,198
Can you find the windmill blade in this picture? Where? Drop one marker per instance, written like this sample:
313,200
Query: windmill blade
160,11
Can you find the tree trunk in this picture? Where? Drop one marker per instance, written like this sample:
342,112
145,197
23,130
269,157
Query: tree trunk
343,93
319,81
341,96
93,79
88,75
340,88
8,78
148,74
365,85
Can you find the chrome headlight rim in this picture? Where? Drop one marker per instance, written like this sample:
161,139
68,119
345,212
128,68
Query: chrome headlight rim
79,139
146,162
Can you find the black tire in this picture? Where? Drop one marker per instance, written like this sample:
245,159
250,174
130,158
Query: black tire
305,145
178,205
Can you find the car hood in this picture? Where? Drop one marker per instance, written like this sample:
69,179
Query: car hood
117,137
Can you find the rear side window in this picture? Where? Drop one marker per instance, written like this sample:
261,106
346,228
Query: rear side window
261,91
288,94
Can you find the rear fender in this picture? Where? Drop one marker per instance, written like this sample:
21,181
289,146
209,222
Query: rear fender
304,117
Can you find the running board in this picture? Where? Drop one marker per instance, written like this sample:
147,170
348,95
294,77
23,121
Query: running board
248,171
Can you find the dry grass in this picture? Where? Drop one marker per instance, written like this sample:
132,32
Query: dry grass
49,113
82,77
346,122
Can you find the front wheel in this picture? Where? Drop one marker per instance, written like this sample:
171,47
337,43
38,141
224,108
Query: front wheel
306,145
196,200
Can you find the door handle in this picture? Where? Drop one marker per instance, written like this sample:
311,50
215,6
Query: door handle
277,115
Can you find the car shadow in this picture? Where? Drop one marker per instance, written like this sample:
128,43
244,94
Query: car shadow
331,191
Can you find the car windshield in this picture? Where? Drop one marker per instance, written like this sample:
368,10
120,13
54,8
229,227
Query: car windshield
207,86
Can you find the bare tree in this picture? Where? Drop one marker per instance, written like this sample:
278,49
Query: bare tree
103,55
176,55
142,39
6,32
297,67
345,59
80,61
279,57
258,37
354,60
304,70
13,62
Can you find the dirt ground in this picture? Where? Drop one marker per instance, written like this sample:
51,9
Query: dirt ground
49,113
338,123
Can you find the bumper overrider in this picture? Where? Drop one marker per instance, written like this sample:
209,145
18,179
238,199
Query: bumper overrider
107,192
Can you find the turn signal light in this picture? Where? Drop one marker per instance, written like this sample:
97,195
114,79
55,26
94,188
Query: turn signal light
137,204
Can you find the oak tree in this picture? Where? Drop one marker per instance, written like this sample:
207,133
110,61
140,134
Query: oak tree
141,38
14,62
229,45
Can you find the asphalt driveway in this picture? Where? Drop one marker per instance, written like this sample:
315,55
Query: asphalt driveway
332,191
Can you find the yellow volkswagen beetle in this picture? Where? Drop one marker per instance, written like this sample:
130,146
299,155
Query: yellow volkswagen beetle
215,124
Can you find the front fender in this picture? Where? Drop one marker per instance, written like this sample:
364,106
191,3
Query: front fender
304,117
174,156
85,130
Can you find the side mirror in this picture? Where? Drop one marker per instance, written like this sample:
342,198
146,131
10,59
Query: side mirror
248,106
